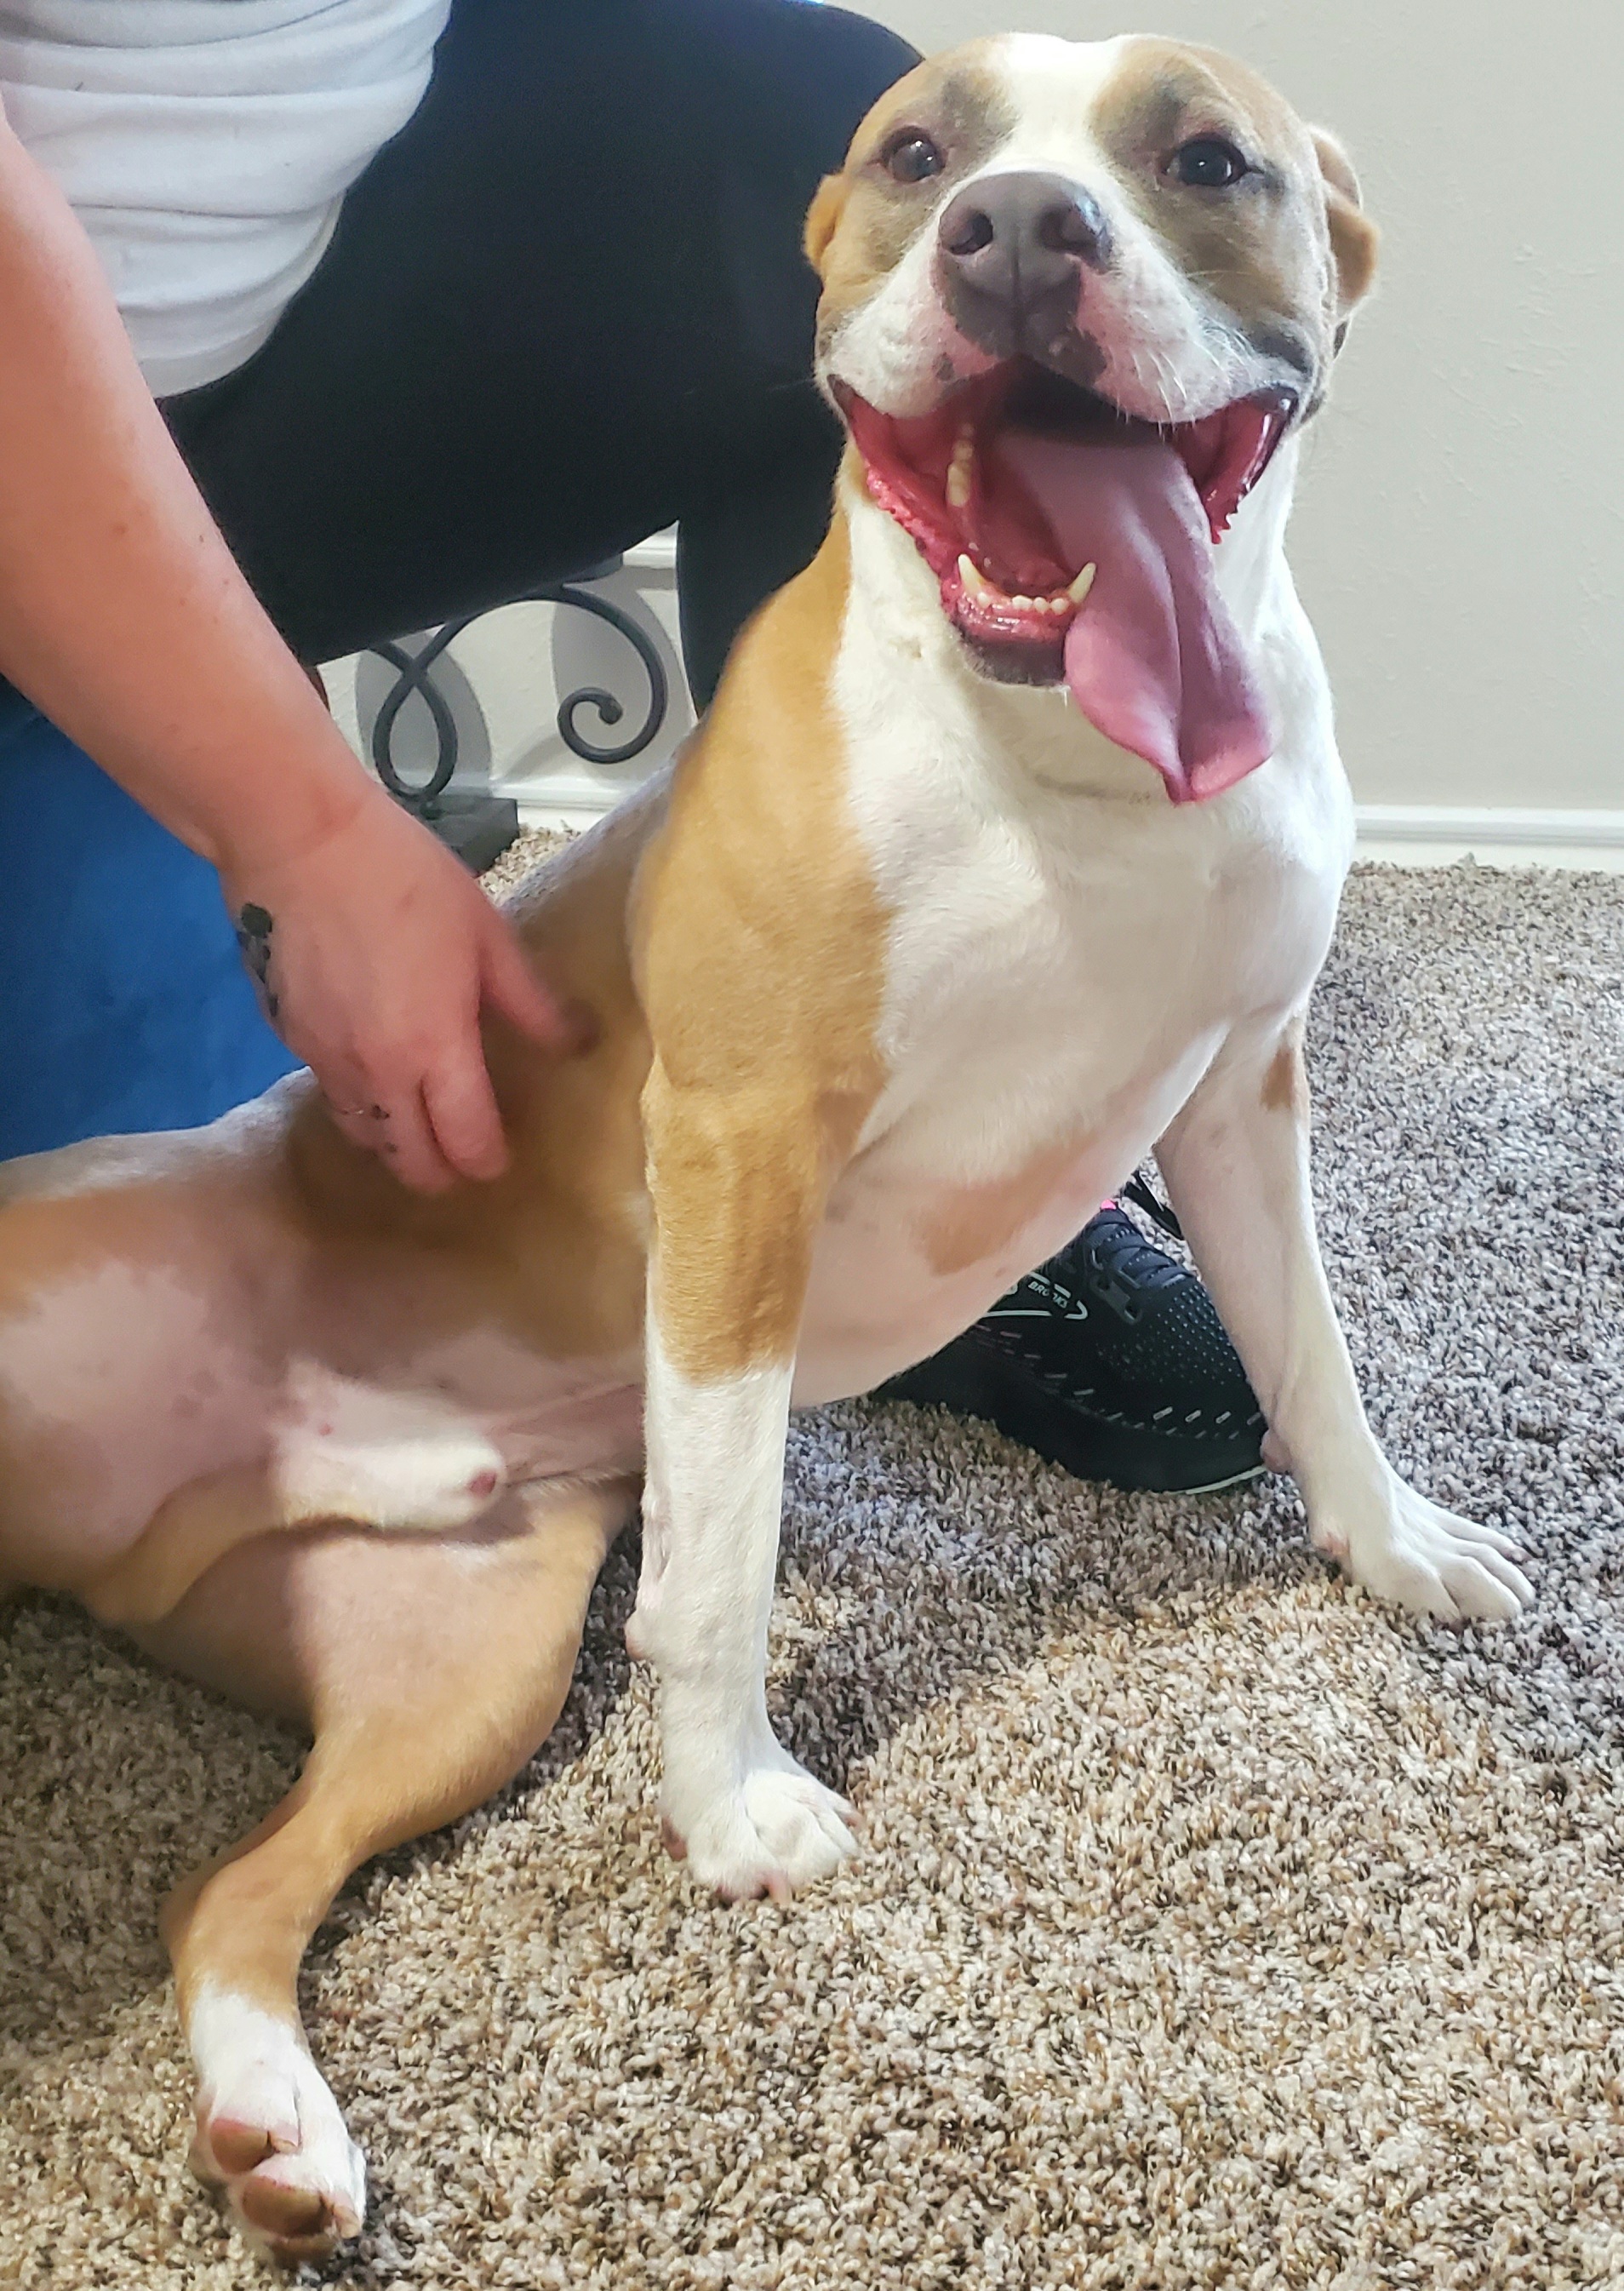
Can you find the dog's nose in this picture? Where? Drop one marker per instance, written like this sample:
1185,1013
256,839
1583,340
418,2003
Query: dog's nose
1020,236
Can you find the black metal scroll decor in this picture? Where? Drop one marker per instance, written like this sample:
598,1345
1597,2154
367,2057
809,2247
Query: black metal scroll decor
430,799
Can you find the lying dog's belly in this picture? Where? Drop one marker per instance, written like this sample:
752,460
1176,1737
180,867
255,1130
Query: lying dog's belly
125,1384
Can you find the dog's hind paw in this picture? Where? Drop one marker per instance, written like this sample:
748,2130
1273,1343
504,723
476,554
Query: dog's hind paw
779,1831
269,2132
1432,1561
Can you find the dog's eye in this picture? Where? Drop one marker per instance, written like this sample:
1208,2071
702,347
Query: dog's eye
911,156
1208,163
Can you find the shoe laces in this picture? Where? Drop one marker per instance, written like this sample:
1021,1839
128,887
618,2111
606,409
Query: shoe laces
1116,1252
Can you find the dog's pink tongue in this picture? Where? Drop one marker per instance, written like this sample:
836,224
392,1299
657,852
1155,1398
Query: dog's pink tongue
1153,659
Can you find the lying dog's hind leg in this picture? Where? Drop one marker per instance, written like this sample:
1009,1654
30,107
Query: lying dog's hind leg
386,1766
426,1484
193,1528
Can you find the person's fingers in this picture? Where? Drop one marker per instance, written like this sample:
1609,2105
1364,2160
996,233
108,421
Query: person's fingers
350,1097
379,1106
464,1114
512,987
359,1123
393,1127
406,1142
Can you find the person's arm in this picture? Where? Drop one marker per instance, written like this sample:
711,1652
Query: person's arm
123,618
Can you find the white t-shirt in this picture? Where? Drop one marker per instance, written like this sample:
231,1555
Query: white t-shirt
207,145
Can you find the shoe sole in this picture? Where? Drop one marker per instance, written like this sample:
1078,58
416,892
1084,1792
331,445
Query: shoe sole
994,1391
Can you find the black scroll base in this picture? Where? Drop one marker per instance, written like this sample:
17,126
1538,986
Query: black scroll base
477,827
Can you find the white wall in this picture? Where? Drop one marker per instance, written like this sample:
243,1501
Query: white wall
1459,538
1461,535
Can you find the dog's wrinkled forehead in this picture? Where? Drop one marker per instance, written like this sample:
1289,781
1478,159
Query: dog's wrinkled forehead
1112,117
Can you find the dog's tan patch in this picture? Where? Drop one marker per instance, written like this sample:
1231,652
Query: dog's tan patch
760,963
1265,249
1353,237
551,1251
973,1223
863,222
1285,1086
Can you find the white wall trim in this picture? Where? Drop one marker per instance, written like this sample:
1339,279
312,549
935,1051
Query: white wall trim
657,554
1403,834
1498,835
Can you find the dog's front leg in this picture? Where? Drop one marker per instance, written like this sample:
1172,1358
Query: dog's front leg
737,1184
1236,1165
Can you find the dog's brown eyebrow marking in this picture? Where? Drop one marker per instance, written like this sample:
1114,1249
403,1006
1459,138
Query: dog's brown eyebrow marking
863,223
1157,100
970,110
1158,113
978,114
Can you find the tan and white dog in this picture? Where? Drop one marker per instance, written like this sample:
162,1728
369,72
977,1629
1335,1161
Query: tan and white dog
1009,851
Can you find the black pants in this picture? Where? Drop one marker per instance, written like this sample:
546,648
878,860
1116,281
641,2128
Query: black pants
565,308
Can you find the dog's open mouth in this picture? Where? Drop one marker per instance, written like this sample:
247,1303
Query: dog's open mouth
1075,544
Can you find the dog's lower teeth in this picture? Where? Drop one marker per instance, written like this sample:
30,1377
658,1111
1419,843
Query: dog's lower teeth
975,584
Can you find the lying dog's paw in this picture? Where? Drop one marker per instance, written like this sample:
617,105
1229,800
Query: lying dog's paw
1432,1561
269,2132
780,1831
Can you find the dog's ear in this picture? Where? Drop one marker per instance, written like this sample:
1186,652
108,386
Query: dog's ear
821,217
1353,237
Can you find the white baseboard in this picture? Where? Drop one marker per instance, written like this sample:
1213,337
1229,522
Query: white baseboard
1402,834
657,554
1496,835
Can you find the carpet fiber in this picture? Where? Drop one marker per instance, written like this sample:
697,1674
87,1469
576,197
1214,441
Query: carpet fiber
1214,1927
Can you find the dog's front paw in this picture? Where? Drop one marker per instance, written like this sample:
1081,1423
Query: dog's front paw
779,1830
1429,1560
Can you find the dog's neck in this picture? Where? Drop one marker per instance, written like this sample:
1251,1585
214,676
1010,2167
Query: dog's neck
900,652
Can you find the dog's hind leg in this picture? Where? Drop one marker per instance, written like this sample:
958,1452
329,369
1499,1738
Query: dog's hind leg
193,1528
397,1475
413,1727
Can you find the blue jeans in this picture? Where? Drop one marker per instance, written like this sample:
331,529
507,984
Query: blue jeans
123,1003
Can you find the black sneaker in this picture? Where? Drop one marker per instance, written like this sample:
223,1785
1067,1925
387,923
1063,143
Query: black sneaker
1110,1361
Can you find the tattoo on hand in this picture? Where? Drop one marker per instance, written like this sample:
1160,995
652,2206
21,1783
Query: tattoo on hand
253,930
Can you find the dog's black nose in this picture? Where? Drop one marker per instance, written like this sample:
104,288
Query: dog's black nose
1018,238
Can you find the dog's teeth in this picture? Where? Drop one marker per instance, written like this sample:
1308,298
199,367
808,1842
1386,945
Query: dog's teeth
1061,604
976,582
1024,603
959,468
1081,585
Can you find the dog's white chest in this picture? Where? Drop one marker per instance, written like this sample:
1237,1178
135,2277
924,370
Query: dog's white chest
1062,971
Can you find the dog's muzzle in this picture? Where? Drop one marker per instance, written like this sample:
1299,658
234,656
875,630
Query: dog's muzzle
1012,252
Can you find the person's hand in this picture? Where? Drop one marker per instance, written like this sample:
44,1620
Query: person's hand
374,952
124,619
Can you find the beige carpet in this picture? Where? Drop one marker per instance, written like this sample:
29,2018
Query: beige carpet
1215,1927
